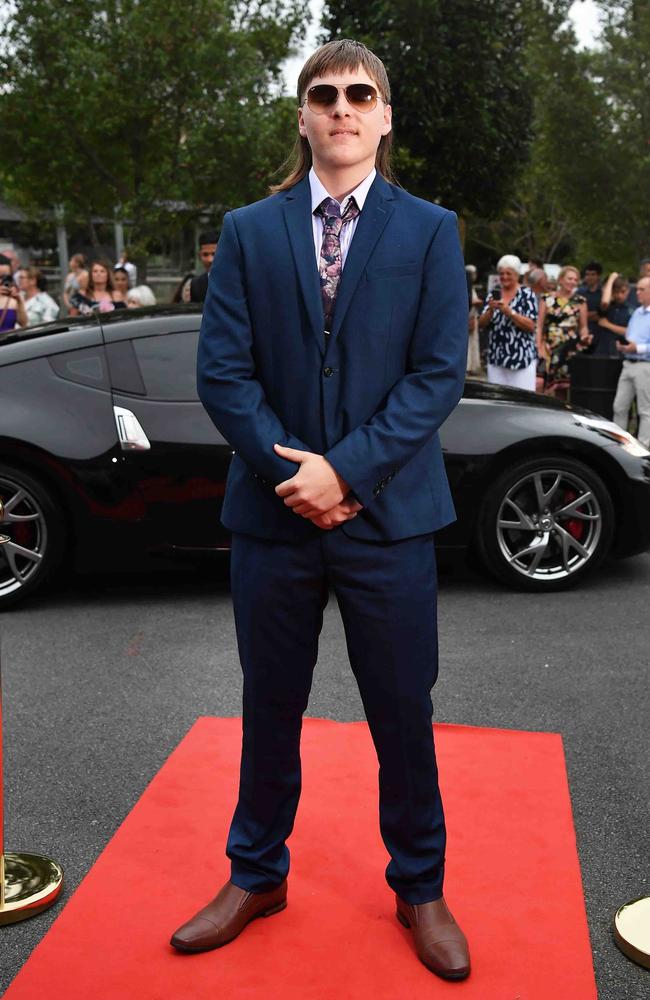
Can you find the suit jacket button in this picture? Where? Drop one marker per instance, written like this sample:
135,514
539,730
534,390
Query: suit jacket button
328,372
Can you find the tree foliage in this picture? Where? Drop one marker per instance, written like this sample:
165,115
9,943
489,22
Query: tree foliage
583,194
460,92
617,206
539,218
149,105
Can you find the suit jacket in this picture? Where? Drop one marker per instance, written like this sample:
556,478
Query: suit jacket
372,395
199,287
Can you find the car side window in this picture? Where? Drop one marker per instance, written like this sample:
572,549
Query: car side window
168,365
86,366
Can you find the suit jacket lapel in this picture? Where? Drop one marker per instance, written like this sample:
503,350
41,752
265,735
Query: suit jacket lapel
375,214
297,214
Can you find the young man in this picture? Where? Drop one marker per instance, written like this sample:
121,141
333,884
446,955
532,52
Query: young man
207,249
592,290
332,348
614,315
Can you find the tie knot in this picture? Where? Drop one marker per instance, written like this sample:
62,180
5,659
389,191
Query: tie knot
330,212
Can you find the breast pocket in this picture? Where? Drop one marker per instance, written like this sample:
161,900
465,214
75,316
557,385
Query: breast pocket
384,271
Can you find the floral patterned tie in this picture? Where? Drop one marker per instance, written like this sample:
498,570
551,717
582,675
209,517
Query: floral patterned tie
330,264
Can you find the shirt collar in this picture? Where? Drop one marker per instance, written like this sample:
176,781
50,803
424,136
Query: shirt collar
319,193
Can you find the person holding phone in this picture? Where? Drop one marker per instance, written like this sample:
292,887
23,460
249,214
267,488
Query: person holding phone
510,315
12,307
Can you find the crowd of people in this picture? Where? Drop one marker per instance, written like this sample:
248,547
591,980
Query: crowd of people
529,327
522,333
90,286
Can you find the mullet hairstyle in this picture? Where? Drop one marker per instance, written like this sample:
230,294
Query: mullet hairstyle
336,57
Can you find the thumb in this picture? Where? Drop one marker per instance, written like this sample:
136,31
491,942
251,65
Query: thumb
293,454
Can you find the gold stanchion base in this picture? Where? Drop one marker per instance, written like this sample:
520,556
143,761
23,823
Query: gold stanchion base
31,884
632,930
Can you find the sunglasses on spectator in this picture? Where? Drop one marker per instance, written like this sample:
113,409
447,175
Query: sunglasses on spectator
323,97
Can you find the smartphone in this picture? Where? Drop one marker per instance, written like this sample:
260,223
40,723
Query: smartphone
496,292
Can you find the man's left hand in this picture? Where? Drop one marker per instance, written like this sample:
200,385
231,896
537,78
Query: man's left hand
344,511
316,487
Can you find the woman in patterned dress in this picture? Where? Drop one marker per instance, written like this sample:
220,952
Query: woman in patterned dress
510,314
562,330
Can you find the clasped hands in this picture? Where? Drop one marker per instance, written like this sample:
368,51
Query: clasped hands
316,492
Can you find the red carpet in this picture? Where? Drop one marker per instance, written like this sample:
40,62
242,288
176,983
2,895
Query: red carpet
513,882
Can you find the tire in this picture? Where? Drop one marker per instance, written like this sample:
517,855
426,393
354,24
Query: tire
36,529
535,533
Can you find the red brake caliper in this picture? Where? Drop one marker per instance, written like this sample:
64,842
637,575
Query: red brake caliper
575,527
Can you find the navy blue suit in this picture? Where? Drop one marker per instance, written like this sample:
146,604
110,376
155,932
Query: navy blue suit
370,397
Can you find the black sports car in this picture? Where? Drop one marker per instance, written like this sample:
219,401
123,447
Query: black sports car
107,456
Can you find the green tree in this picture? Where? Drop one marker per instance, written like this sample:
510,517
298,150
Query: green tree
545,212
460,91
618,207
150,105
584,192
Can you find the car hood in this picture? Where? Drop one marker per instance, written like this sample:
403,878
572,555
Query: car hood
477,389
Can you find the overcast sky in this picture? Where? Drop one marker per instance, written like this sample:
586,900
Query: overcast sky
584,15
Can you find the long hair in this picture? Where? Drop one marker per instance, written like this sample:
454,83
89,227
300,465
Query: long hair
335,57
110,285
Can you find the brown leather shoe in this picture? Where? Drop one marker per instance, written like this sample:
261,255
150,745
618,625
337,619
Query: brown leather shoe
226,916
439,941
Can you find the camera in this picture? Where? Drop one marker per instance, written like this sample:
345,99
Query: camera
496,293
6,281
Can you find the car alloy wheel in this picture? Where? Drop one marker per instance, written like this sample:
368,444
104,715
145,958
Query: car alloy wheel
35,533
549,523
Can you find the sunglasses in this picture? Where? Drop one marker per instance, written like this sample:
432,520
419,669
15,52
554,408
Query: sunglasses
323,97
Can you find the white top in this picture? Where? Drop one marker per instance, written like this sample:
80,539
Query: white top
318,195
41,308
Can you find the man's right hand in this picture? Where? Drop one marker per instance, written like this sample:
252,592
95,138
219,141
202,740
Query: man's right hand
344,511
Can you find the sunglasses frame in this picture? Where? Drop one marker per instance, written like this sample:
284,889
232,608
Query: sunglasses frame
328,107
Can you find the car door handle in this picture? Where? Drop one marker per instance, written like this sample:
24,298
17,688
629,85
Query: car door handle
129,431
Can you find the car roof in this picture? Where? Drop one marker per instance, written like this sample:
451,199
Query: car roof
126,316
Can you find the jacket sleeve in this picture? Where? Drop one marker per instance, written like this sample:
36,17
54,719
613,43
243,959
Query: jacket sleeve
421,400
226,382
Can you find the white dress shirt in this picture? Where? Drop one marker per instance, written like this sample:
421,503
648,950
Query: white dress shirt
319,194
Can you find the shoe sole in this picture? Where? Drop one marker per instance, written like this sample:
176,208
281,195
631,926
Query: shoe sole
454,976
181,946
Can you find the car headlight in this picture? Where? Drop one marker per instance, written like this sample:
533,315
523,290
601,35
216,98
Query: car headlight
608,429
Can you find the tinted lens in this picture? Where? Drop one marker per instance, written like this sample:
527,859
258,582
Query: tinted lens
323,96
361,96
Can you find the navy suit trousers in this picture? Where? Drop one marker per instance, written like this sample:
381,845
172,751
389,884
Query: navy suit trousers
387,596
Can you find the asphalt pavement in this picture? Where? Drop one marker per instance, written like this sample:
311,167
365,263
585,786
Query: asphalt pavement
104,676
